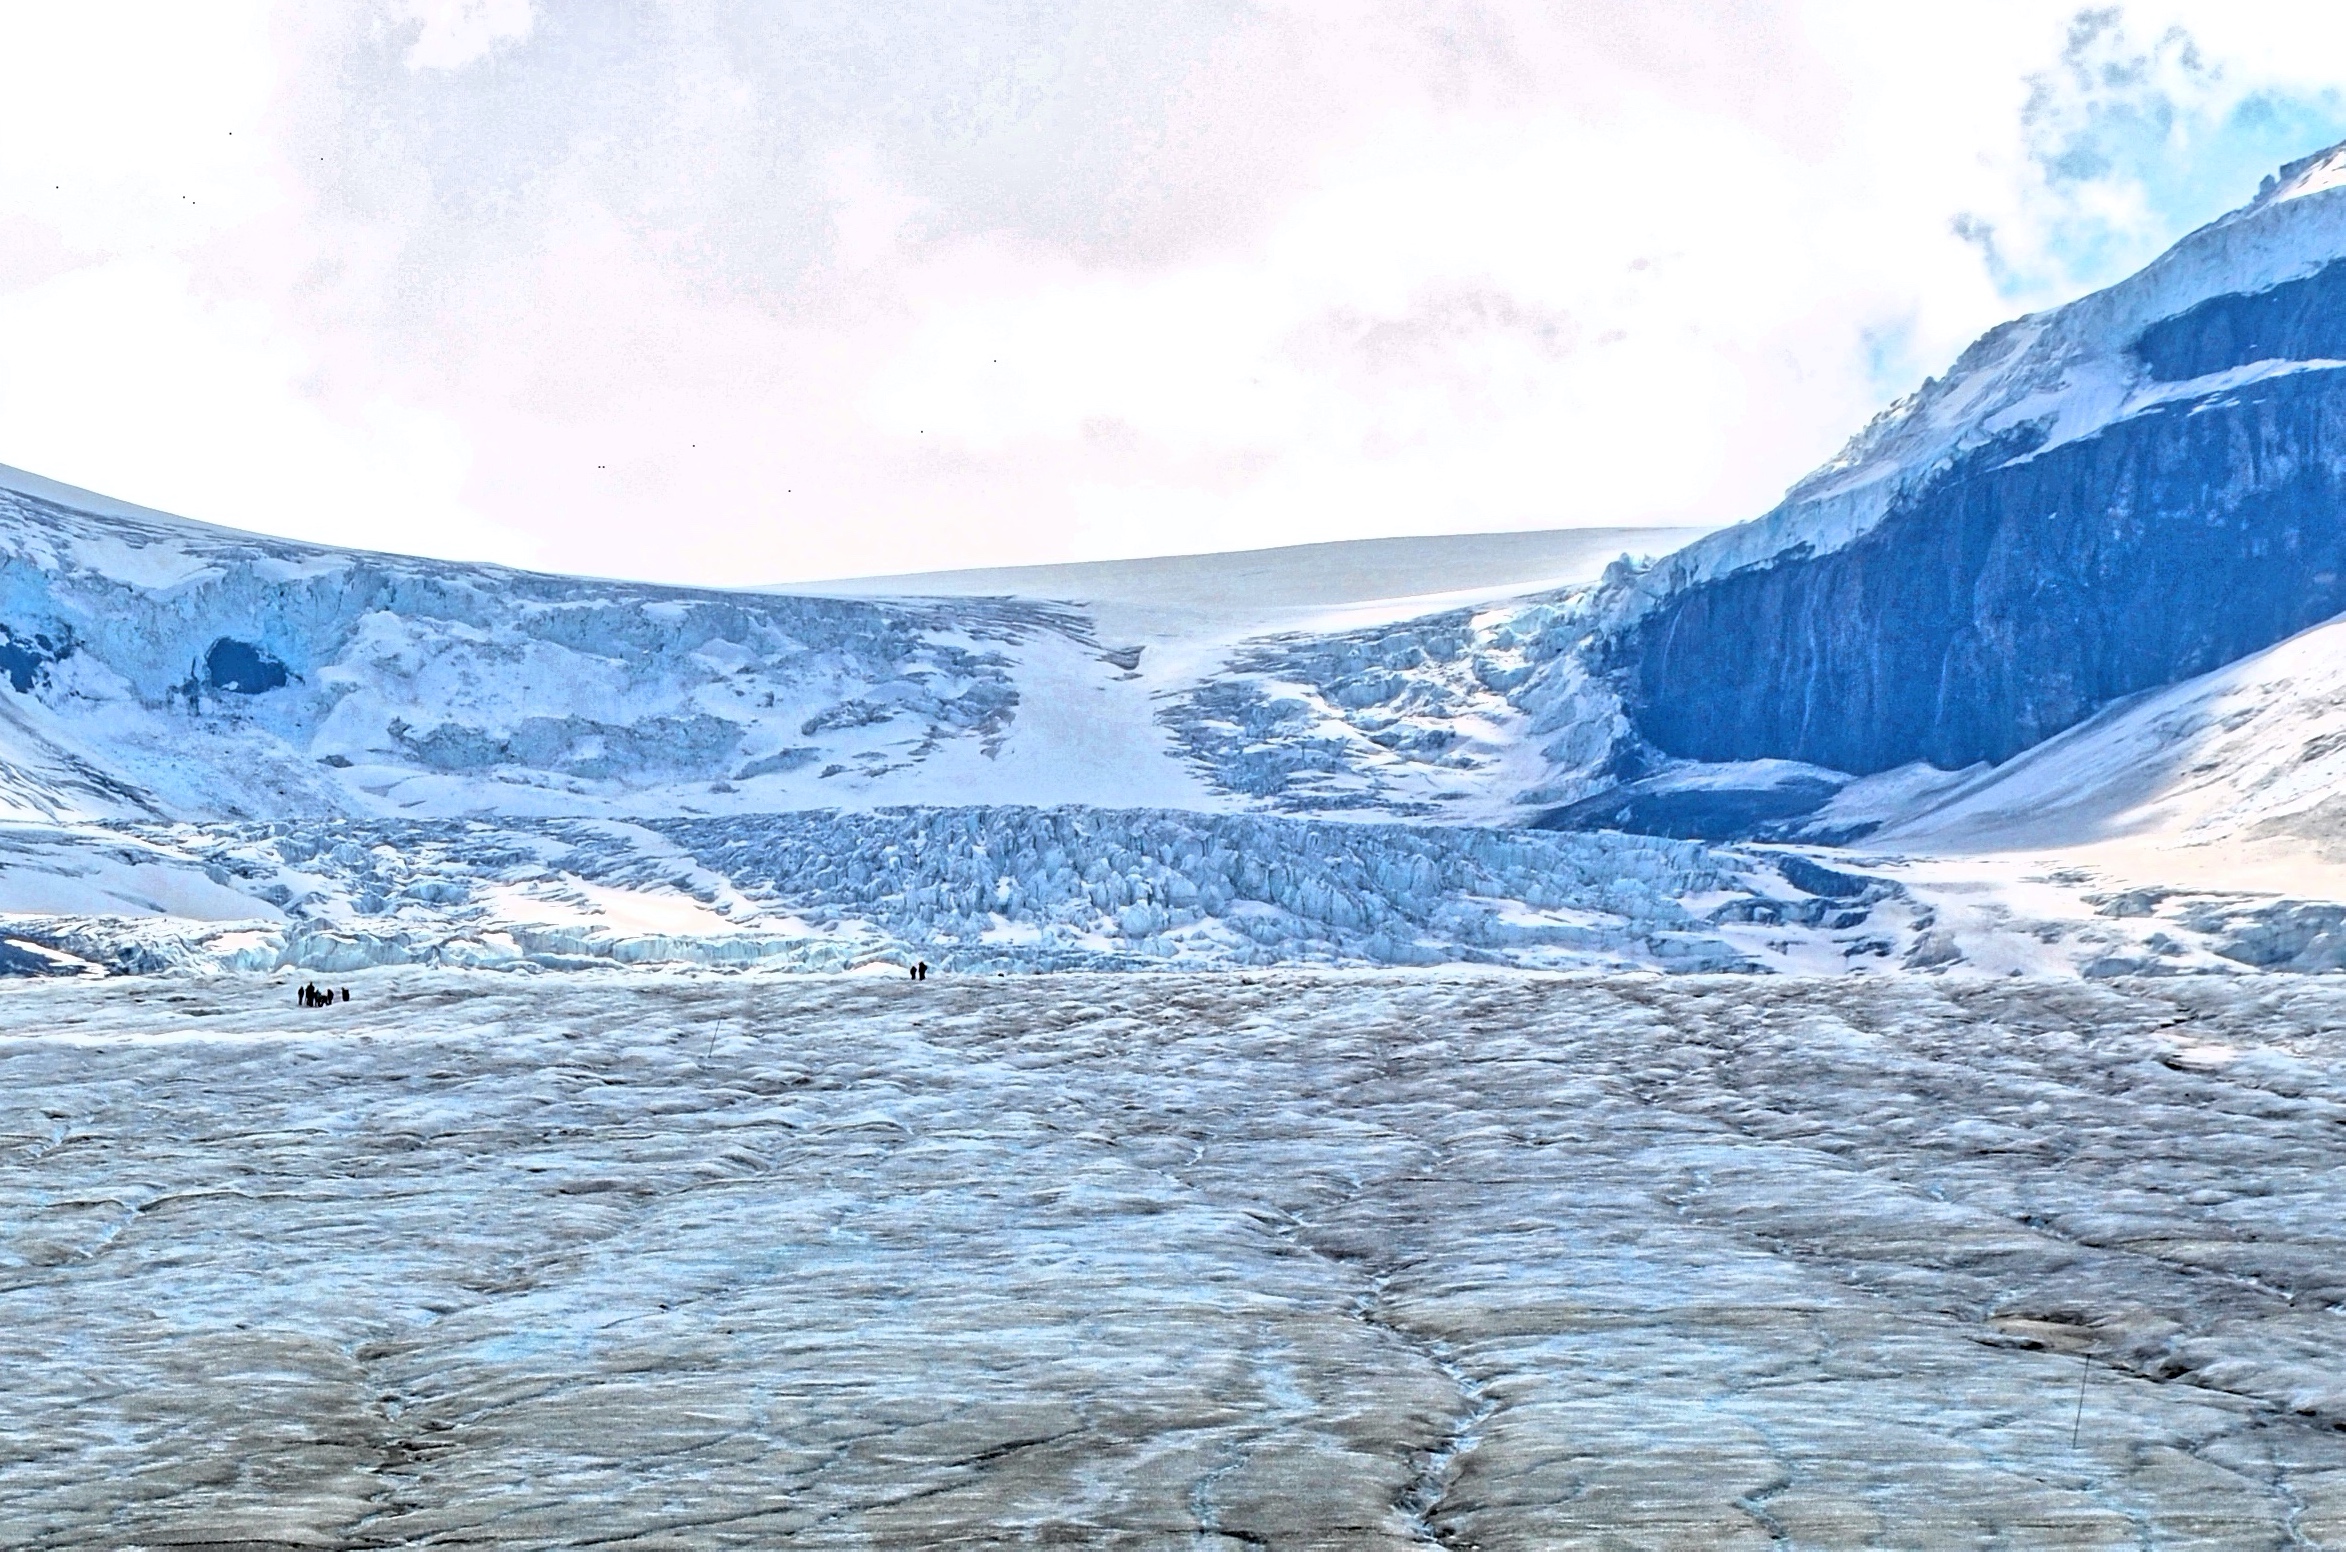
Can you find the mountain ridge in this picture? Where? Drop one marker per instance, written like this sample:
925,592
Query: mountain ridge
2056,523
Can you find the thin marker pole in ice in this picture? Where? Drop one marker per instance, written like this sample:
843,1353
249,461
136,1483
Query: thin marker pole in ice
2079,1420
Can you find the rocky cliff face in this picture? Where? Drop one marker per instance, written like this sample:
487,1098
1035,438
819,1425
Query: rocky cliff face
2017,594
2111,497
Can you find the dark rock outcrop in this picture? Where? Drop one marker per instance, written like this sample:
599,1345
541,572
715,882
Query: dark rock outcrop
2297,320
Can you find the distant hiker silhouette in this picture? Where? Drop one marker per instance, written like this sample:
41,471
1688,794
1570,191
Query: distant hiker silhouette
922,970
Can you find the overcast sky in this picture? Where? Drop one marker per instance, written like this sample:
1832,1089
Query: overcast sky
720,292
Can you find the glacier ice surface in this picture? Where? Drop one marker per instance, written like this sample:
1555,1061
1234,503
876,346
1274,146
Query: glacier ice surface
1311,1259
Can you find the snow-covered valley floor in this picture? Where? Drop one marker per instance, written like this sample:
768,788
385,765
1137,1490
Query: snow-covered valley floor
1290,1258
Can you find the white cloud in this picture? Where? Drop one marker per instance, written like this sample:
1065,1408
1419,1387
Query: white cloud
734,293
130,383
451,34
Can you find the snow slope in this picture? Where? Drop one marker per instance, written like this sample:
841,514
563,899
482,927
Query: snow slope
1300,680
1356,582
1376,677
2240,772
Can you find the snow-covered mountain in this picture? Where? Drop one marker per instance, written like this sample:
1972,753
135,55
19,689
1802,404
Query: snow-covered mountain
156,668
159,668
2070,594
2095,501
2106,498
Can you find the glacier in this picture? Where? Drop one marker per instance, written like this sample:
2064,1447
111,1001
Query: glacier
224,752
1297,1258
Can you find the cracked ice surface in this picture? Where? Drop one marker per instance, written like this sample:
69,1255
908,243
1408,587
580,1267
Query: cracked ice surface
1297,1259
